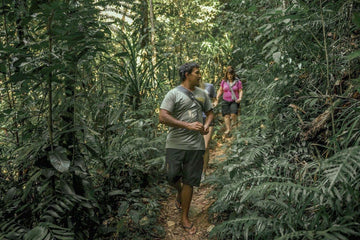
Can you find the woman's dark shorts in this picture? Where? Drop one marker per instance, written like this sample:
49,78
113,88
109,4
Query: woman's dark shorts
228,108
185,164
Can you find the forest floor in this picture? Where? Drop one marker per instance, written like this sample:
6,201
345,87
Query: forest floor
198,214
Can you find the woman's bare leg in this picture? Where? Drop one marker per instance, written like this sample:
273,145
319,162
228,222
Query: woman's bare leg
227,123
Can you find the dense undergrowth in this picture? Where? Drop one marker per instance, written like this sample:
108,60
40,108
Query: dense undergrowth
293,167
121,187
81,154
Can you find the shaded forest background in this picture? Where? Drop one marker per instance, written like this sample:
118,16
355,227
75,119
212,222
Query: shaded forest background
81,149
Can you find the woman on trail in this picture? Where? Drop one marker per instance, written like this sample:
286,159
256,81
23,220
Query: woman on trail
231,89
210,90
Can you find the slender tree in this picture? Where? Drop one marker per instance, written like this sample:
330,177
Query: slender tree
153,32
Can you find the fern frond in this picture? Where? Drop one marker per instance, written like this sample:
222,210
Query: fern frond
343,168
235,190
335,232
279,188
240,227
297,235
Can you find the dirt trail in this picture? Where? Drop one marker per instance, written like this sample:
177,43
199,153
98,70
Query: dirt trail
170,215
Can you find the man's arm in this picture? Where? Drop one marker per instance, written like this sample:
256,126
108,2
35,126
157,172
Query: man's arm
166,118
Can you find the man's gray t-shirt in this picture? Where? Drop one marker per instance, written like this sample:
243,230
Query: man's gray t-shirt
184,109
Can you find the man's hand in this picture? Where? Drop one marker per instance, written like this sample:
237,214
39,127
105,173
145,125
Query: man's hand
238,101
196,126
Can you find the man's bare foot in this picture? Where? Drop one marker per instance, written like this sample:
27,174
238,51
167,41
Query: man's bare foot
191,229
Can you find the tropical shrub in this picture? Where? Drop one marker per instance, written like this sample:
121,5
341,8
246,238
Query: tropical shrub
293,166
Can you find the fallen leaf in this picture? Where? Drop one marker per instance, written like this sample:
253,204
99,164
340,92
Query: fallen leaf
170,223
210,228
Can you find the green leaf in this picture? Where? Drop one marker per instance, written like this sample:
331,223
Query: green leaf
11,193
329,236
252,8
12,235
121,54
59,159
116,192
53,214
287,20
3,68
135,216
356,19
276,57
353,55
123,208
67,189
37,233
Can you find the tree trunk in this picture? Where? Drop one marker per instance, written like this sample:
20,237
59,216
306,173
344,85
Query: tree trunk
182,22
145,24
10,92
19,6
50,77
152,20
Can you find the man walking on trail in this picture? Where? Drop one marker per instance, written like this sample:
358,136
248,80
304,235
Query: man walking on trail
182,110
